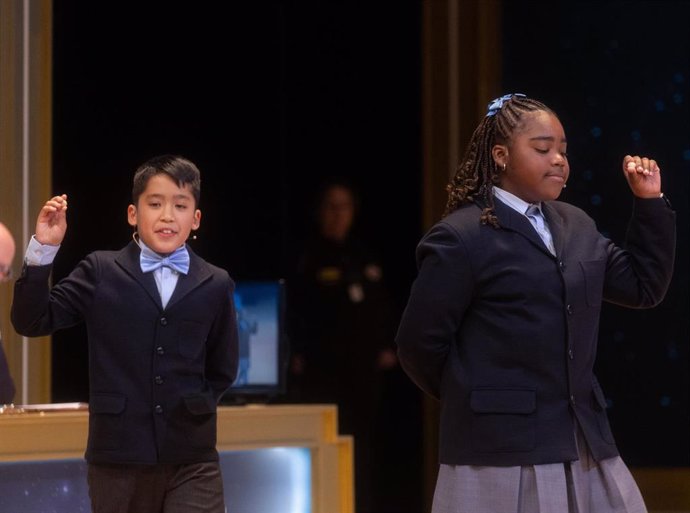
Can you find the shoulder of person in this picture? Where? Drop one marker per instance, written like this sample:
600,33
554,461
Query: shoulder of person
570,212
457,231
465,221
104,255
215,270
564,207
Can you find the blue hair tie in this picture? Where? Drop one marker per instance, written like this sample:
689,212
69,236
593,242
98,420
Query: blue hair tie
495,105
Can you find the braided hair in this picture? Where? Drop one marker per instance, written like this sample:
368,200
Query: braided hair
477,172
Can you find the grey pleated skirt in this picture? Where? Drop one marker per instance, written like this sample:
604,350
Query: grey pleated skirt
582,486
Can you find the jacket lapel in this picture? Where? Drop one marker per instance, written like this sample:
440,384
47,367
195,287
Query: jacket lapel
509,219
198,273
555,221
128,259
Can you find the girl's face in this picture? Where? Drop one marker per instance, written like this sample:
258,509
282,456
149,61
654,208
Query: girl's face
536,164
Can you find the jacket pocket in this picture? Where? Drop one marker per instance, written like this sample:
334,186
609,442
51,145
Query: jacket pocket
200,404
106,421
199,422
503,401
503,420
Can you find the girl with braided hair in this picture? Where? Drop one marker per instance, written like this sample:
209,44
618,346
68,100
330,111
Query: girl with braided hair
502,321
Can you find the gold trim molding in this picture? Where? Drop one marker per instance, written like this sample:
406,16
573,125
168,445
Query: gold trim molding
25,166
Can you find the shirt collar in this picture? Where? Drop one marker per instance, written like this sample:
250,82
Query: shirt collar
510,199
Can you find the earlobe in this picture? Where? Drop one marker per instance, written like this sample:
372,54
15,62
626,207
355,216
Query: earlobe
132,215
500,155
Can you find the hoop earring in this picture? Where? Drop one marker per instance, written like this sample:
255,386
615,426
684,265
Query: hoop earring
504,167
135,238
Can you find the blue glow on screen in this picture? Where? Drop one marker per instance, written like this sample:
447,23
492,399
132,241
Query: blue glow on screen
271,480
276,480
258,319
53,486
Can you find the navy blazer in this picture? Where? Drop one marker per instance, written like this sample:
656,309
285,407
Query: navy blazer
505,334
155,374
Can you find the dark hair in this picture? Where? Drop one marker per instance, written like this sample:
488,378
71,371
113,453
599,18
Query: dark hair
182,171
477,172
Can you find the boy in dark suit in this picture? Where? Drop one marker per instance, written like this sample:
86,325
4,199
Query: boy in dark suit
162,345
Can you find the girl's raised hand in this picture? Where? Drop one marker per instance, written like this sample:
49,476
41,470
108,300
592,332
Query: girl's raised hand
643,176
51,224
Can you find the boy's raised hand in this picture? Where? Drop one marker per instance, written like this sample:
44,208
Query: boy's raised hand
643,175
51,224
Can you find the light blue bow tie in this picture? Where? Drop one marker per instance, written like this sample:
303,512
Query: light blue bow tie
177,260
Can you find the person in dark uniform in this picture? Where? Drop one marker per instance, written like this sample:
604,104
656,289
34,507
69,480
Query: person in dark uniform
501,325
342,328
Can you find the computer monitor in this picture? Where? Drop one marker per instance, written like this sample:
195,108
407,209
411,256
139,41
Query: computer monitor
263,352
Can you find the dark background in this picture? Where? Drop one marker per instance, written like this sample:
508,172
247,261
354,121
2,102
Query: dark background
618,74
267,99
270,98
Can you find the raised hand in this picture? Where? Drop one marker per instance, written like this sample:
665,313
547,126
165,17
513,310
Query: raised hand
51,224
643,176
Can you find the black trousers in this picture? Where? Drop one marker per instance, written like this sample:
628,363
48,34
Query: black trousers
190,488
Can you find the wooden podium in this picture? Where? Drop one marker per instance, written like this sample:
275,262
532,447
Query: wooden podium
52,433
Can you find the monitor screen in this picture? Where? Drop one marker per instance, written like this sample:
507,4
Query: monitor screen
262,344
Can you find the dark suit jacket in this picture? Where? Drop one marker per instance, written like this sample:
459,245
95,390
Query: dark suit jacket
505,334
155,374
6,382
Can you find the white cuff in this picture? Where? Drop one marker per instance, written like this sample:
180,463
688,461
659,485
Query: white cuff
40,254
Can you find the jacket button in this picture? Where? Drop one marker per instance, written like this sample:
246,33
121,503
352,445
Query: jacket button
572,398
158,380
160,350
164,321
569,309
561,265
159,409
570,354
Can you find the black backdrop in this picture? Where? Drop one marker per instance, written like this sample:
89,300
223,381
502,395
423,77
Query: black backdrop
618,75
267,99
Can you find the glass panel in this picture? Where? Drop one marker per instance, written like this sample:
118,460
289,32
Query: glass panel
273,480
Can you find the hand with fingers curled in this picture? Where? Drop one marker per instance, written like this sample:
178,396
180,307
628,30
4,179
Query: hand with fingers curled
51,224
643,175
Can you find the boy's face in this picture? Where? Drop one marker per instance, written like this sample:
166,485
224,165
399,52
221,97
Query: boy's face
165,214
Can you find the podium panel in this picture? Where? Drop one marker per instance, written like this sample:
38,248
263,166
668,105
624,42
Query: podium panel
282,459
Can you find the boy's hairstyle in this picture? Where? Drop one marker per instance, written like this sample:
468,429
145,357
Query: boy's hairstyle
477,172
182,171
